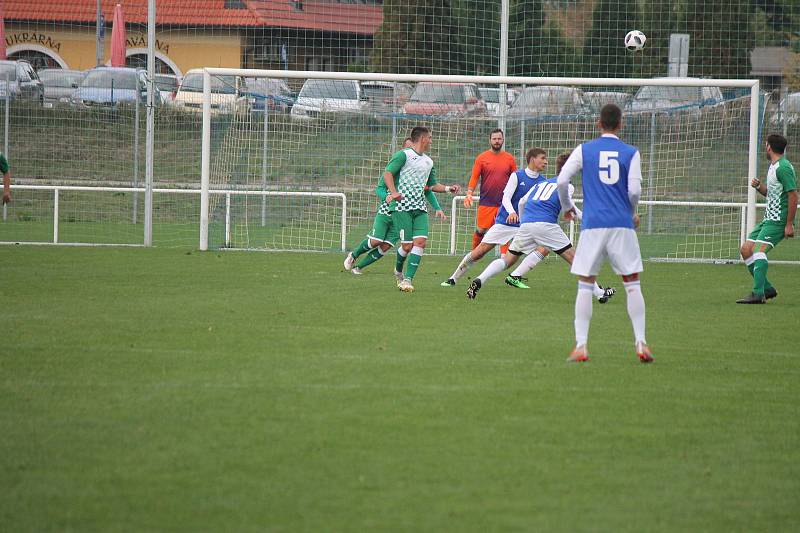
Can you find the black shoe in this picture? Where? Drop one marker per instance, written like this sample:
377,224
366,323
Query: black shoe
474,287
608,292
770,293
752,298
449,283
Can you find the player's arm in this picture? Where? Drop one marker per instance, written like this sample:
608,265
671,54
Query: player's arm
392,171
524,200
635,186
432,186
573,165
578,212
508,193
473,181
760,187
789,183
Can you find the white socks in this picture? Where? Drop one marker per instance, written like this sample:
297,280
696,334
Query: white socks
463,266
636,309
528,263
583,312
495,267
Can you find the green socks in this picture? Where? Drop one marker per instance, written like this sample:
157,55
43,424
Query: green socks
760,283
363,247
401,260
370,258
752,266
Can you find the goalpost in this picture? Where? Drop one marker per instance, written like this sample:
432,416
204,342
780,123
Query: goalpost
698,154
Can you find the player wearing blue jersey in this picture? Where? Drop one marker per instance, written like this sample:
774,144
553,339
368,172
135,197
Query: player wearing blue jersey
506,223
540,209
612,183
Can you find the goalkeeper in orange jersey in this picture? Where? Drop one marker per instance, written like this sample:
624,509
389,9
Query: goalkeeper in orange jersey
492,168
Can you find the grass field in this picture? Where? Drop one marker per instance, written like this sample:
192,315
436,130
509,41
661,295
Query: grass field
153,389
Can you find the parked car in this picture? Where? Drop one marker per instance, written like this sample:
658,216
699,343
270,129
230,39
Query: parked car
548,100
111,87
19,80
59,84
667,97
385,96
335,96
167,85
228,93
788,111
597,99
270,94
491,95
460,99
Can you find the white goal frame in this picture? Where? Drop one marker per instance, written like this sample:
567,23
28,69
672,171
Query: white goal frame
208,72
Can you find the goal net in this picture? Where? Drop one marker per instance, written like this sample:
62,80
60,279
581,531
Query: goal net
697,140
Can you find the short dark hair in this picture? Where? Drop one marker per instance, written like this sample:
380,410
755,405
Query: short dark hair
777,143
534,152
419,131
610,117
560,160
496,130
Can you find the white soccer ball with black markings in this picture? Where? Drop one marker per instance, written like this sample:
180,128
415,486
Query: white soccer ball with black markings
634,40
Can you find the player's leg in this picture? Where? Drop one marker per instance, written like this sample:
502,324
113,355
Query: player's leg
763,238
466,263
530,261
373,255
373,239
589,256
420,240
403,223
379,240
623,253
525,243
602,294
494,268
484,221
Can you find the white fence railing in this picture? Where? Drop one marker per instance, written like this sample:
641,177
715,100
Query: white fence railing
56,189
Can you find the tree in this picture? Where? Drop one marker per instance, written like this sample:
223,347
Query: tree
604,53
420,37
536,46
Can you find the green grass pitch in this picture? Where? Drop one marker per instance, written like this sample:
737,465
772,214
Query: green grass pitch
164,389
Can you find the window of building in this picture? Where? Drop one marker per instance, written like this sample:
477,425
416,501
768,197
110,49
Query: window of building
318,63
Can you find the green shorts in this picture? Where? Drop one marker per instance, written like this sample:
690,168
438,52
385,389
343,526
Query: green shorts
383,230
767,233
411,224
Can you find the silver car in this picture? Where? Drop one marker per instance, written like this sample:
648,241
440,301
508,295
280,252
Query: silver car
59,84
547,100
673,98
19,80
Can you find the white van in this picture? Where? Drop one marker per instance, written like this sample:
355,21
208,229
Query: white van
228,93
330,96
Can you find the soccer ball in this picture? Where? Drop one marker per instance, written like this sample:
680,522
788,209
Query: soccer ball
634,40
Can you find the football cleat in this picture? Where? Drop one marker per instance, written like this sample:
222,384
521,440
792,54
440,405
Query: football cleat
398,276
752,298
357,271
517,281
643,353
449,283
348,261
608,292
578,355
405,286
770,293
473,289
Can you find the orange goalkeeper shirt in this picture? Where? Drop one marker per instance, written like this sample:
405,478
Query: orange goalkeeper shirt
493,169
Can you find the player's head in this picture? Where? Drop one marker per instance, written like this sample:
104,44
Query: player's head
776,145
496,139
537,159
407,142
560,160
610,118
421,137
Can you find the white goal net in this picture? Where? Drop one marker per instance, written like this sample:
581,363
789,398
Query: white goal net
698,140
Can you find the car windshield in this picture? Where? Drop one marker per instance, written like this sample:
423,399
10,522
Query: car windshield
266,86
438,94
339,89
491,96
549,100
166,83
378,93
108,79
8,72
60,78
193,83
670,94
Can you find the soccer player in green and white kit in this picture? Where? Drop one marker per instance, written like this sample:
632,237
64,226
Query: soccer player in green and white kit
5,170
781,192
411,171
383,234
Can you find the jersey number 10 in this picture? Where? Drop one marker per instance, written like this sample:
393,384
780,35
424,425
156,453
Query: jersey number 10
609,168
544,191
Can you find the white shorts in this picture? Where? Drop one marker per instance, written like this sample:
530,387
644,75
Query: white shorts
499,234
534,234
619,245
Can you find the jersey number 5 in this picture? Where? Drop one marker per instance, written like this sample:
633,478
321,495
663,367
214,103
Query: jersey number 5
609,168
